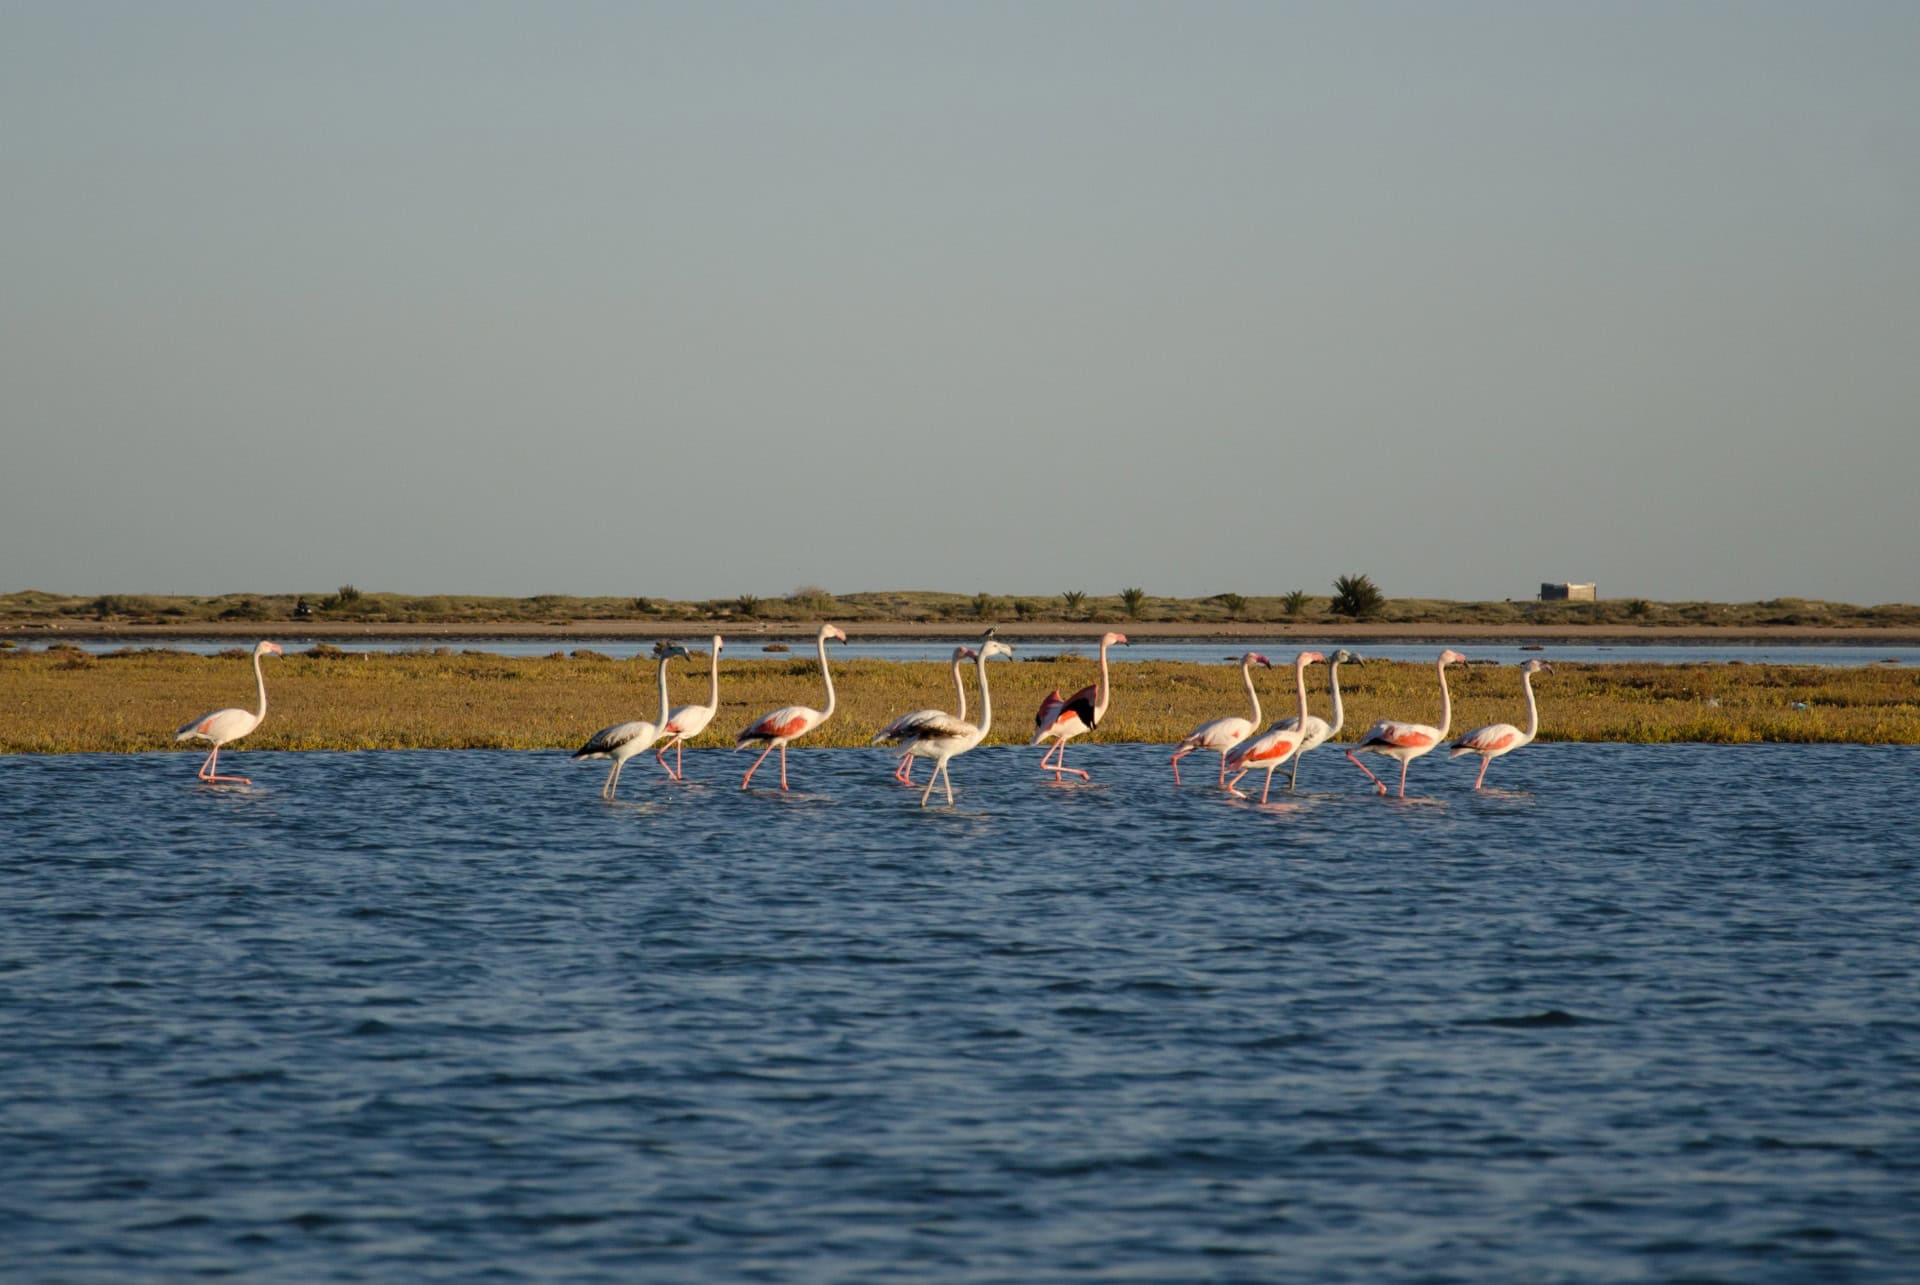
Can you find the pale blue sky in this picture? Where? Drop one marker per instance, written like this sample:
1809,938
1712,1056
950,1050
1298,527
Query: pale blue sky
702,299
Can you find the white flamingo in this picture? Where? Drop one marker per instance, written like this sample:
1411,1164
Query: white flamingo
790,721
1222,734
624,740
1319,730
225,725
945,736
689,721
901,728
1408,741
1495,739
1281,741
1061,719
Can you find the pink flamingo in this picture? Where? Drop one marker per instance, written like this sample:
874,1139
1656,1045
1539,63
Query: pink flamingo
1060,720
1319,730
789,722
225,725
689,721
624,740
1408,741
1281,741
944,736
904,727
1222,734
1495,739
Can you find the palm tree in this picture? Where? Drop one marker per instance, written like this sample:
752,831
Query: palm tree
1356,596
1134,600
1073,598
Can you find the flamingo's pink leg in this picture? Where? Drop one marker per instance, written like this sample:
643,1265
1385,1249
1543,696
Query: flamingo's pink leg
1378,784
1223,769
756,766
1294,777
1403,777
1484,760
783,767
660,757
1175,760
1267,786
679,770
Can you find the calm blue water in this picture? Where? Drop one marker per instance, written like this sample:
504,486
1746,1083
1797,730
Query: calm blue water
1650,1014
748,647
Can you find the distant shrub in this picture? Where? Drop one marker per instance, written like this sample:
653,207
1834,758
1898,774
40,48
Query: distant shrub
1295,602
811,597
1074,599
1234,604
1133,600
1357,597
1024,608
747,604
984,605
245,609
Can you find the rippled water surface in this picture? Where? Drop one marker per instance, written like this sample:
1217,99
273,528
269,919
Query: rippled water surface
1645,1013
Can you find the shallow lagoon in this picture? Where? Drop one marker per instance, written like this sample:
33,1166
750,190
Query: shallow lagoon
1641,1013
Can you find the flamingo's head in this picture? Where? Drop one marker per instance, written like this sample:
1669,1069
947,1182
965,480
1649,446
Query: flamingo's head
265,648
1306,658
1111,639
964,653
1536,666
718,643
1452,658
832,631
1345,657
1255,658
994,647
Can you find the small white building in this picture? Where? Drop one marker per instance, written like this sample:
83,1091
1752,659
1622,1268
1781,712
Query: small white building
1567,592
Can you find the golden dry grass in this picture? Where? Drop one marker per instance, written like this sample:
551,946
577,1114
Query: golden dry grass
66,701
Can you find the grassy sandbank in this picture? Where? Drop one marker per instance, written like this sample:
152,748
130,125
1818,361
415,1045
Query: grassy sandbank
63,701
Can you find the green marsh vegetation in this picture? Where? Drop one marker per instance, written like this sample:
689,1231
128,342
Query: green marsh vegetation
59,700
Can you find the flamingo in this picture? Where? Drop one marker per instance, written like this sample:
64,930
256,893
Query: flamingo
689,721
224,725
1408,741
1222,734
1060,720
1281,741
624,740
789,722
1319,731
944,736
900,729
1495,739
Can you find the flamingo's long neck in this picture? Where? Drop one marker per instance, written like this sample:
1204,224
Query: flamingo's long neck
1533,709
660,681
260,681
1253,694
960,689
1333,686
1300,692
1104,692
826,676
986,697
1446,702
713,678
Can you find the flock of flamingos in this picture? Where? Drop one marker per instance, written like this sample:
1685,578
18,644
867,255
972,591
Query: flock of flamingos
939,736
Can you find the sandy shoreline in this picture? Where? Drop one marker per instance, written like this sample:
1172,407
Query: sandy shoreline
641,630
